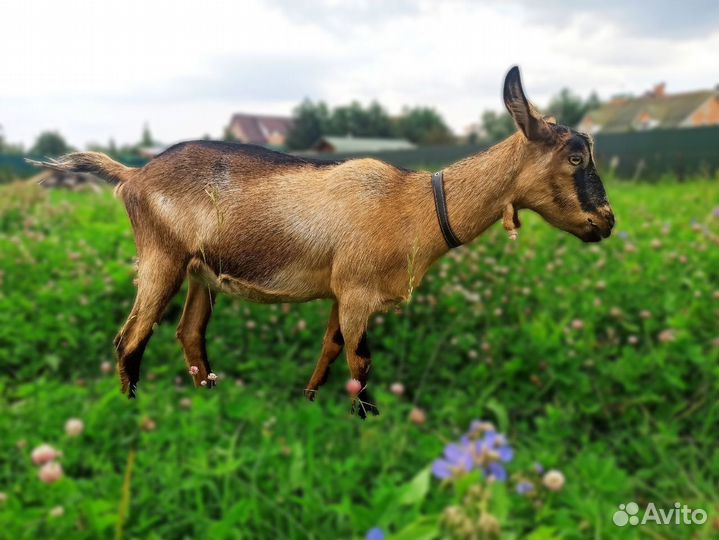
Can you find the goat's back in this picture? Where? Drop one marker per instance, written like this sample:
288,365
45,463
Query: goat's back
261,216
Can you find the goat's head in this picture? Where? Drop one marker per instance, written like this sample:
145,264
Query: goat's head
557,176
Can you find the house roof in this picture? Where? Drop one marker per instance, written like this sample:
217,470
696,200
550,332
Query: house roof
257,128
351,145
667,111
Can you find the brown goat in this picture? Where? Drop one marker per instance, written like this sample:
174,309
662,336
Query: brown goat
271,227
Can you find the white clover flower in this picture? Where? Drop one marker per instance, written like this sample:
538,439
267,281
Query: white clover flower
44,454
417,416
553,480
50,472
74,427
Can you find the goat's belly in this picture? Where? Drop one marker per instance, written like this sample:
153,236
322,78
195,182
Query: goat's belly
286,286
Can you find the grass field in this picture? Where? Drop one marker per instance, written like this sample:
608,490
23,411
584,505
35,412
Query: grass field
598,361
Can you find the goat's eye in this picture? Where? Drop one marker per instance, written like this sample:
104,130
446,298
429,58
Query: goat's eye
575,160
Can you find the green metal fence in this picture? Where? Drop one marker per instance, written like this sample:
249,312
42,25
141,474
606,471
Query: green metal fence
425,157
14,166
645,154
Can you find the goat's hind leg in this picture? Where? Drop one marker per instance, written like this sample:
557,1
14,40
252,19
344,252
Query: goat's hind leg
331,349
191,332
158,279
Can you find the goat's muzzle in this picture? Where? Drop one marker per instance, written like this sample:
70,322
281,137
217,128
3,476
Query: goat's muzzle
601,224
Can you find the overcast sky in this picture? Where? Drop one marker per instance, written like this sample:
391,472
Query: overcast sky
100,69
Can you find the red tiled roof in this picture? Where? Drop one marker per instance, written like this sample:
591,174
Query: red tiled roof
257,129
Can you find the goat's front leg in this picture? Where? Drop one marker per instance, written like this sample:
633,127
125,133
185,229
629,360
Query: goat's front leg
191,332
353,316
331,349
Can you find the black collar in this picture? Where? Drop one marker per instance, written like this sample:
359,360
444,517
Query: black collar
440,205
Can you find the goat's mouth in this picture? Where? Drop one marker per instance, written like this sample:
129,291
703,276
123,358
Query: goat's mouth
592,236
595,232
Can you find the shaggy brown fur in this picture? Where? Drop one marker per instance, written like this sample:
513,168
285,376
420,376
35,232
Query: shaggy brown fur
270,227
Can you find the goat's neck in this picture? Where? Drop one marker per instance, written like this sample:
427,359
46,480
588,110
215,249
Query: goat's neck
478,188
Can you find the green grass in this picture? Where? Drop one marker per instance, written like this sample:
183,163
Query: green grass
488,335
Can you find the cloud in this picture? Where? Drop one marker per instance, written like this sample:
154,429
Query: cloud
269,77
662,19
345,16
186,67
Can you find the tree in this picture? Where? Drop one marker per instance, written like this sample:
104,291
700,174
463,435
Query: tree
147,140
49,143
496,126
9,148
379,121
593,102
228,136
423,125
353,119
310,122
568,108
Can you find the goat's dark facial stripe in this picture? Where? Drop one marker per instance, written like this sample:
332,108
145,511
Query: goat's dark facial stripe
590,190
587,183
363,347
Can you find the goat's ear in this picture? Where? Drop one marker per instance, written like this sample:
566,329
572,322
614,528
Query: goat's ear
532,125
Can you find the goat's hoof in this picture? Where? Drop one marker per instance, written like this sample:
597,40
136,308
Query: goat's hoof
363,405
132,391
310,393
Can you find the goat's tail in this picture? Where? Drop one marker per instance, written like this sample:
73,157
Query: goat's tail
88,162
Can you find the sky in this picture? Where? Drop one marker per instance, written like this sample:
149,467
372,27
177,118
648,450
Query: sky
96,70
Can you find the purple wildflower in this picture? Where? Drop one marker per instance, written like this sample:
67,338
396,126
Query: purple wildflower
481,447
716,212
375,533
623,235
489,454
538,468
524,487
457,458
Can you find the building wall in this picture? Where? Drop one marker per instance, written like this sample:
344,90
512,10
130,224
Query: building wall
276,139
707,114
